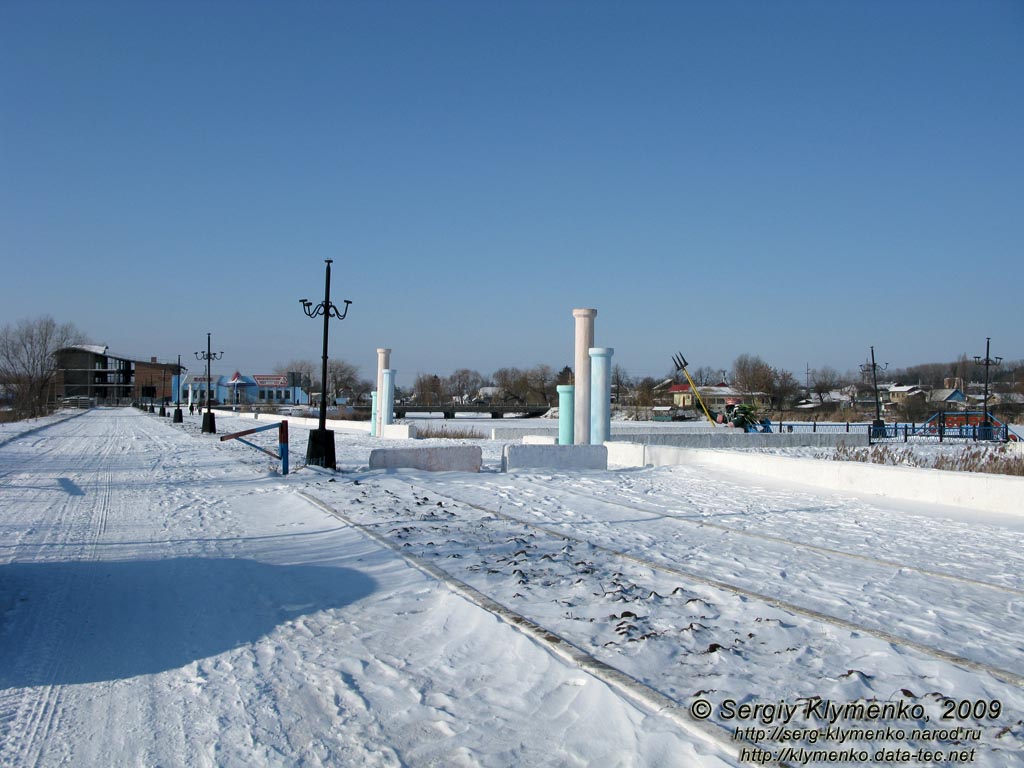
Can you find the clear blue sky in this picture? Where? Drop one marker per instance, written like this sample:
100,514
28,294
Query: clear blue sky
795,180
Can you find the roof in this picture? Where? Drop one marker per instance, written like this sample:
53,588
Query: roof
945,395
95,349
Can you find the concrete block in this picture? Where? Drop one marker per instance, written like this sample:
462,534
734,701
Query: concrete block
554,457
399,431
454,458
622,454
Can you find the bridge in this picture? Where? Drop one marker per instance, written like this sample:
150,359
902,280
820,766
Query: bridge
450,409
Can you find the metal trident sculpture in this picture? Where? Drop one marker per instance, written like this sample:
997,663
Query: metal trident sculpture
680,363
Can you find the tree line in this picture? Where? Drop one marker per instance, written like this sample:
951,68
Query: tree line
28,368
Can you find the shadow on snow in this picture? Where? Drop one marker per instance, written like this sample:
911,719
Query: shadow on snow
83,622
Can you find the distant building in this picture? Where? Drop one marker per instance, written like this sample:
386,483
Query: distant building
716,398
92,371
275,389
901,394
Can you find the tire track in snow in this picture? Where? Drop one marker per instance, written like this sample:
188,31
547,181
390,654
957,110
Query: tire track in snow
31,713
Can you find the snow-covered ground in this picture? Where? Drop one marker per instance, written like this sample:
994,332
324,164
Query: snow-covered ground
170,599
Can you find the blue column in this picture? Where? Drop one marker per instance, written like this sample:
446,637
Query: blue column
373,413
600,394
566,409
387,401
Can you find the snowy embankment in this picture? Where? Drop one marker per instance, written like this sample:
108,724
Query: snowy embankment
171,599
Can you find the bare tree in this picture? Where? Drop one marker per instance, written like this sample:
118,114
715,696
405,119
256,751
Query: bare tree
705,376
429,389
28,361
514,384
621,383
342,376
783,388
646,391
541,382
464,384
306,368
824,380
751,374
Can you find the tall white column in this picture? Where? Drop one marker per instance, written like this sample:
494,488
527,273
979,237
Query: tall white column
386,404
383,362
600,394
581,374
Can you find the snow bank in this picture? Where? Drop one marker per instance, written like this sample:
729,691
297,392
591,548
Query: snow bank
972,490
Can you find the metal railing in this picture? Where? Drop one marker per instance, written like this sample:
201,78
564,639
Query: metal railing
902,432
905,433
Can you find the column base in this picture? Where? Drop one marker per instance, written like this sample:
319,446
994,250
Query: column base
209,423
320,449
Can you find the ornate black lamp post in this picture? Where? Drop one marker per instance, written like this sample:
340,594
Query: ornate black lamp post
163,390
320,450
985,433
877,426
177,418
209,423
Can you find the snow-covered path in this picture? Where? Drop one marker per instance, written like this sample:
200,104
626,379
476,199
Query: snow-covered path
164,604
168,600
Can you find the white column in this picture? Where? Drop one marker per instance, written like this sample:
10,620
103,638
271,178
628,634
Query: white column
383,362
581,374
600,394
386,404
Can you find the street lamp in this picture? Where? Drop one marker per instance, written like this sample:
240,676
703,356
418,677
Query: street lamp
209,423
986,426
163,389
177,418
320,449
877,426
